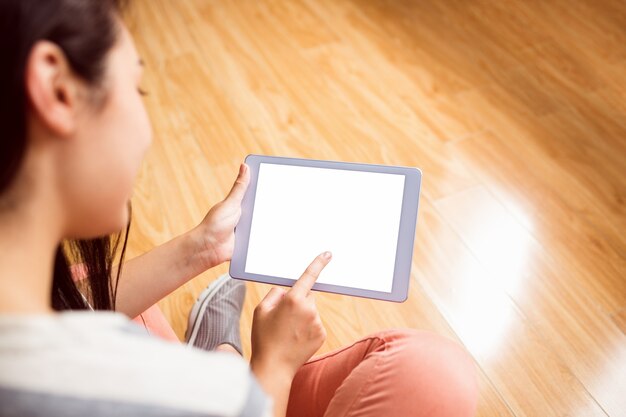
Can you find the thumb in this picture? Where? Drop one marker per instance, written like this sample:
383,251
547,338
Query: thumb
241,184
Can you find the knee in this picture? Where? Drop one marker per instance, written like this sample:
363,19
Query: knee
439,373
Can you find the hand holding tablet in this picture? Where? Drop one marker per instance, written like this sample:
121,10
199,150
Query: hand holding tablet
295,209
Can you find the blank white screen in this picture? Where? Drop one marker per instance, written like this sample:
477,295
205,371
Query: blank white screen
300,212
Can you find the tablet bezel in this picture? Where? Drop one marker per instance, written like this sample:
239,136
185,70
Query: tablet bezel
406,235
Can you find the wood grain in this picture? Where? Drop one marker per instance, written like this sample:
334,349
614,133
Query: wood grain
516,114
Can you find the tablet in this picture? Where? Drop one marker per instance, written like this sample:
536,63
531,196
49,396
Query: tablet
294,209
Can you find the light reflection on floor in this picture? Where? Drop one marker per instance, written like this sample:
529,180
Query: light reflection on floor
489,277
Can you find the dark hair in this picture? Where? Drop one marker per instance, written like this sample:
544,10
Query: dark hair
86,31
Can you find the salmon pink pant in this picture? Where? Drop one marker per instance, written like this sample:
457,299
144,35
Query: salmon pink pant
400,372
392,373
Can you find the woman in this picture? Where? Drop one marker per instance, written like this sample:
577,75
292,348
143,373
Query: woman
74,134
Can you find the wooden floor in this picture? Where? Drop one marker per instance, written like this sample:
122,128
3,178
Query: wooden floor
515,112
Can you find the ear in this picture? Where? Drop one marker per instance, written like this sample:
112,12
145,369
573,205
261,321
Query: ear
52,88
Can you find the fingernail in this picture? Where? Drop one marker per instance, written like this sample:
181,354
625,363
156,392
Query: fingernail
326,255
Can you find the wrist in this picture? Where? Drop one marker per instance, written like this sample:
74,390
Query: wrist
200,253
275,381
263,366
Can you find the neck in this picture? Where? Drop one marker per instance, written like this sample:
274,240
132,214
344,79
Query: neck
29,236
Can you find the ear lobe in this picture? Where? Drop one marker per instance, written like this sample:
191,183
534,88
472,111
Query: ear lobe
51,88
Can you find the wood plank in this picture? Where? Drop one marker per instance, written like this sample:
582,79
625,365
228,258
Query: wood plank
620,320
587,342
535,194
514,111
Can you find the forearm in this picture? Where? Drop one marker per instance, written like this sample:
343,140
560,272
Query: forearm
276,383
148,278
